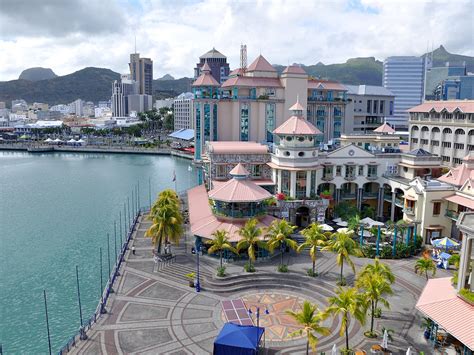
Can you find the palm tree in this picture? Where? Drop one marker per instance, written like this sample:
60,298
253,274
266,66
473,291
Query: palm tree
314,238
279,233
347,303
344,246
219,244
167,225
354,223
165,198
310,318
378,268
374,287
250,234
423,265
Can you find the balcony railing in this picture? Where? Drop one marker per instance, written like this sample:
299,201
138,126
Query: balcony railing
452,214
370,195
398,202
350,177
348,195
409,211
327,177
387,197
372,177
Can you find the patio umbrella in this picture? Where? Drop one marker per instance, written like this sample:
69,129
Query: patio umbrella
366,233
327,228
334,350
384,344
342,224
337,220
446,243
343,230
48,140
367,220
409,351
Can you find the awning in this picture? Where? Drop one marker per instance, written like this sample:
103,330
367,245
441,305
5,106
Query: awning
184,134
461,200
408,197
439,302
434,227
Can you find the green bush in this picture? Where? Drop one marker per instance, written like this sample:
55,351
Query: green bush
467,294
378,312
311,273
402,250
221,271
386,252
368,251
282,268
249,268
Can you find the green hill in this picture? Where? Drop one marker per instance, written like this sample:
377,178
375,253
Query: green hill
441,56
38,73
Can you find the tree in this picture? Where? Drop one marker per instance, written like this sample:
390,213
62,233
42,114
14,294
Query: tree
346,210
423,265
374,287
378,268
314,238
309,318
344,246
347,303
354,224
219,244
250,234
279,233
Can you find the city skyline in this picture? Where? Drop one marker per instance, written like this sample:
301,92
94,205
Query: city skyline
173,35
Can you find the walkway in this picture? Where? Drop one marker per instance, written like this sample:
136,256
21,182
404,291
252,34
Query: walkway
158,313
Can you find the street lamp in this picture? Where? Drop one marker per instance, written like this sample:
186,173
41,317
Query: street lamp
198,284
257,314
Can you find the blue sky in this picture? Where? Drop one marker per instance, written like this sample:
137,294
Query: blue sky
70,35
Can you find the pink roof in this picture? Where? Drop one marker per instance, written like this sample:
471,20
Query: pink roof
251,81
239,170
206,79
461,200
206,67
297,106
440,302
204,223
226,147
294,69
385,128
237,190
465,106
237,71
459,175
261,64
297,125
326,85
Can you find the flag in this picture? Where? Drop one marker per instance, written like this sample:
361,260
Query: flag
174,175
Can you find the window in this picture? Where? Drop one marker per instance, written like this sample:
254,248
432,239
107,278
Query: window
369,106
256,171
207,122
350,171
458,146
372,171
285,182
361,170
270,92
446,144
244,122
445,158
381,108
300,184
214,123
436,208
198,132
221,171
424,141
391,108
269,121
376,104
301,154
338,170
457,160
435,143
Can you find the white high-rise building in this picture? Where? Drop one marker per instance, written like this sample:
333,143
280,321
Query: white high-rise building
404,77
183,111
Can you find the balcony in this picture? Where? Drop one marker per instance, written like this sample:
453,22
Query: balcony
372,177
387,197
409,211
369,195
348,195
350,177
327,177
452,214
399,202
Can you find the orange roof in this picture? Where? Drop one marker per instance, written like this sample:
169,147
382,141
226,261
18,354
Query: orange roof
239,170
226,147
260,64
251,81
439,302
206,79
459,175
297,125
385,128
238,190
465,106
204,223
325,85
294,69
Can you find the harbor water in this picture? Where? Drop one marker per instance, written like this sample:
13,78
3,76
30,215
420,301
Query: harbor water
55,212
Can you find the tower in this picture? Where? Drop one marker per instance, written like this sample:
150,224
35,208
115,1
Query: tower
243,57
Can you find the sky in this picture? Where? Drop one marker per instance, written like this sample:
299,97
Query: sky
68,35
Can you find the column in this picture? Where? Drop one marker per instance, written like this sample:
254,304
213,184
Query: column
279,180
380,204
338,195
308,182
464,262
293,184
392,212
359,198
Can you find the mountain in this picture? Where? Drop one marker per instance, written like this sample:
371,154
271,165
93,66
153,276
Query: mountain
36,74
441,56
166,77
90,84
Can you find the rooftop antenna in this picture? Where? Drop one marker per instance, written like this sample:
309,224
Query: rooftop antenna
135,44
243,57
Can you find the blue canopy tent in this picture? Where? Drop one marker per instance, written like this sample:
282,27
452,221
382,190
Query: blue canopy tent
237,339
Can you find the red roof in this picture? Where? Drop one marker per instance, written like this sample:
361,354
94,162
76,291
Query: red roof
204,223
238,190
439,302
459,175
251,81
225,147
325,85
297,125
239,170
206,79
385,128
294,69
260,64
465,106
297,106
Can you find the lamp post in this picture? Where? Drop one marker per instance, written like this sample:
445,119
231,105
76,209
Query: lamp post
257,314
198,284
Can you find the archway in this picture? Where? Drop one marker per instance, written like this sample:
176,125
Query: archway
370,193
302,219
387,202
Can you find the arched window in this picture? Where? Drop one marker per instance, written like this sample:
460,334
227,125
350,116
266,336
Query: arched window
447,131
424,129
435,130
415,128
471,132
460,132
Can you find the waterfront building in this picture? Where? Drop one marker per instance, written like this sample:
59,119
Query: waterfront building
368,107
217,62
404,77
445,128
183,111
141,71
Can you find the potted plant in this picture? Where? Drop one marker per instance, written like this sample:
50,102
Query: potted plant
191,277
326,194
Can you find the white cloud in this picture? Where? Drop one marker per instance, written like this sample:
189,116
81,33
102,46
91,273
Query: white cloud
175,33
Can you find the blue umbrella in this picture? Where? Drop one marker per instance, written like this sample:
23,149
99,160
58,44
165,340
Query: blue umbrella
445,243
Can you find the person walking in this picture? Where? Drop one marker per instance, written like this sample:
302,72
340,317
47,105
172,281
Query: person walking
133,250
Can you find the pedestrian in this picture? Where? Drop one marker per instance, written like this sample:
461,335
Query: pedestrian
133,250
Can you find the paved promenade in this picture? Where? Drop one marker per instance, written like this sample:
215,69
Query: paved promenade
156,312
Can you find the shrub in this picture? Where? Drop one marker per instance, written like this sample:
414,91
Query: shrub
342,282
249,268
467,294
378,312
311,273
221,271
282,268
368,251
386,252
402,250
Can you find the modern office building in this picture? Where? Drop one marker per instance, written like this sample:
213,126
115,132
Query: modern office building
367,108
121,89
183,111
139,103
404,77
437,75
77,107
444,128
141,71
217,63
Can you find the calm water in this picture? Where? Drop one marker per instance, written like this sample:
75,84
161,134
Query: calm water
55,211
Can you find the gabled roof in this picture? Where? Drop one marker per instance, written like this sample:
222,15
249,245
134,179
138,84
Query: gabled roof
260,64
238,190
385,128
345,152
297,125
325,85
459,175
297,106
419,153
206,67
206,79
213,53
294,69
251,81
465,106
